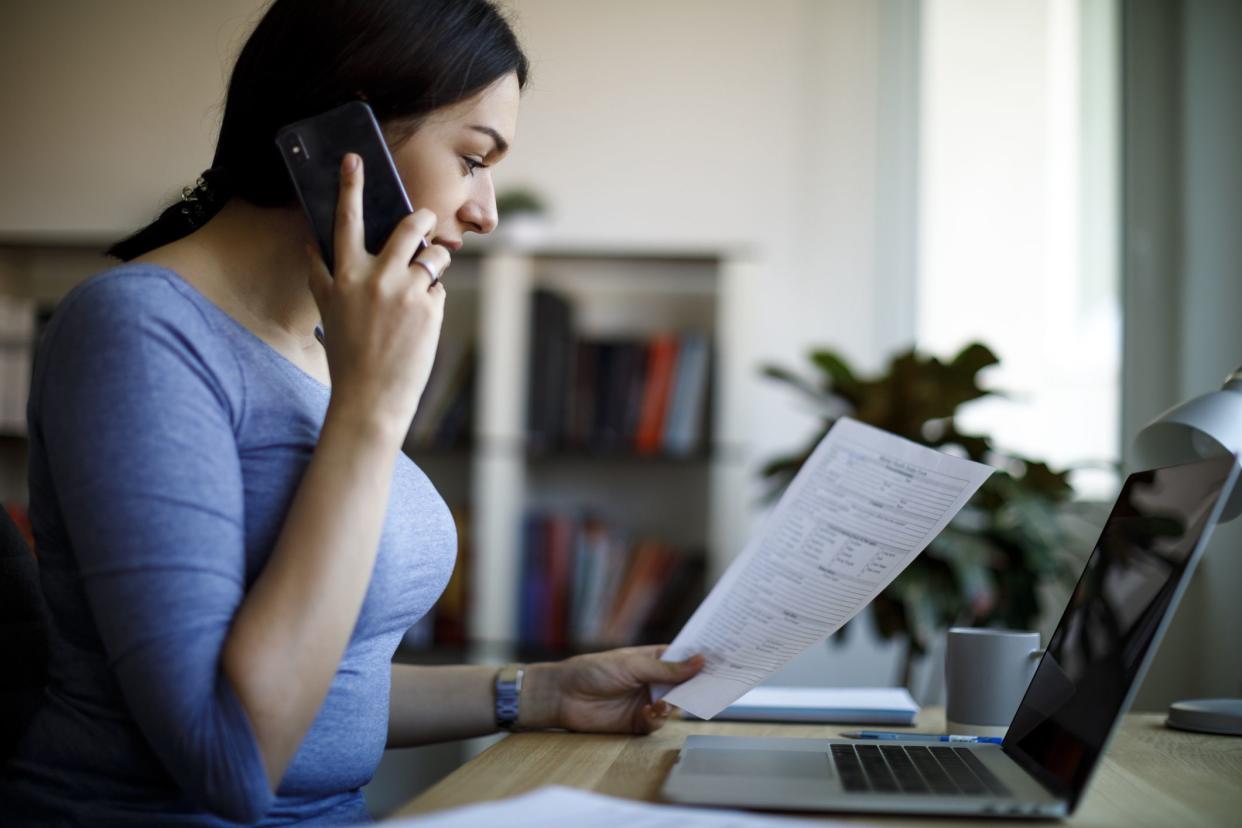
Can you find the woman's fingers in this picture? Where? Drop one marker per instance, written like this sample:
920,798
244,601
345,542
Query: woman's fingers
408,238
652,717
429,266
646,668
348,235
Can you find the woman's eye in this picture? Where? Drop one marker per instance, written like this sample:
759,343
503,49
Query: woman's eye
472,164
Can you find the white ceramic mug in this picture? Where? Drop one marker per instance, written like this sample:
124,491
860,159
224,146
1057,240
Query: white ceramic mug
986,673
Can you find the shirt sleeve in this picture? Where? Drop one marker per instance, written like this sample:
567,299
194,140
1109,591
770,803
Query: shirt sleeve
137,424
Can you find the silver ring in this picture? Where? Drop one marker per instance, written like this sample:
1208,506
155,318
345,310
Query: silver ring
434,276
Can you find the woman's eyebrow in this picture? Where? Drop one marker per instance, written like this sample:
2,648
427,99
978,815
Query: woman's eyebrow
502,146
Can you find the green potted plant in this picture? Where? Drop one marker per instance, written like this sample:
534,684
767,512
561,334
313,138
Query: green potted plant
523,217
989,566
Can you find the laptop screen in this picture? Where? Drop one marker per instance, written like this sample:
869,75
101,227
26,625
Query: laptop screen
1117,611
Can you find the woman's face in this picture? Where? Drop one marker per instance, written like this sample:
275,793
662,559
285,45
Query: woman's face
446,164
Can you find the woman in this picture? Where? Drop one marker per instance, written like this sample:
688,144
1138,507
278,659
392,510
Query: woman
232,543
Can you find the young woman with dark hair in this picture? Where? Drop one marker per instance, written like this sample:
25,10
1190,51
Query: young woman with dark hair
231,541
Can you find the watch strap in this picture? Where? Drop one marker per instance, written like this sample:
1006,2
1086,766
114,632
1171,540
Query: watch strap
508,693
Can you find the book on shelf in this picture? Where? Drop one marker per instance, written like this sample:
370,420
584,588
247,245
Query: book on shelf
581,401
683,423
661,358
442,419
636,395
582,584
551,345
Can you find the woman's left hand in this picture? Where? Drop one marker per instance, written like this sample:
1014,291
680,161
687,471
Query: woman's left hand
608,692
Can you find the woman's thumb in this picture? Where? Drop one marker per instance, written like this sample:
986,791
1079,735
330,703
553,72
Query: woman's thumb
674,672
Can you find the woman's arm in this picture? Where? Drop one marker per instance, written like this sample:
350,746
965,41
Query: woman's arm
440,704
291,630
382,320
601,692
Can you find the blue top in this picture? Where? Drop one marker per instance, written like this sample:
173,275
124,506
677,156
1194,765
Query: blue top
166,443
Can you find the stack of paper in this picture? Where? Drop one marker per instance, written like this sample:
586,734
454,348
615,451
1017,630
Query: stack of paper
853,705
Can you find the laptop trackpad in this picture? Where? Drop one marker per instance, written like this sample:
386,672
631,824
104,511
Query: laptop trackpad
780,763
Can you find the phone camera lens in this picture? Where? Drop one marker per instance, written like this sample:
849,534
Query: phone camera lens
297,148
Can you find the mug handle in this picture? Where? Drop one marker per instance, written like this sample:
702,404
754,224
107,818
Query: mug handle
1038,653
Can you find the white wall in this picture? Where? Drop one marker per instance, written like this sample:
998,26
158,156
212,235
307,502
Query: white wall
109,108
1017,231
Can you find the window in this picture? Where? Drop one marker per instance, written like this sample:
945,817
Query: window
1018,219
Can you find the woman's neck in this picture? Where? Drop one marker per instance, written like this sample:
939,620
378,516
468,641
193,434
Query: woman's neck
251,261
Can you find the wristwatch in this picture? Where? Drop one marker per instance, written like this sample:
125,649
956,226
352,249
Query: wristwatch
508,692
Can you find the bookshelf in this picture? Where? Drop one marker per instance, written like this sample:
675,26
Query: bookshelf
695,499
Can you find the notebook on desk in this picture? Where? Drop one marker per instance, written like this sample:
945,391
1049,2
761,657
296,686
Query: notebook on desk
840,705
1095,661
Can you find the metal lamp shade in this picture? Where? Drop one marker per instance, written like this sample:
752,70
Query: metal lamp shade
1207,426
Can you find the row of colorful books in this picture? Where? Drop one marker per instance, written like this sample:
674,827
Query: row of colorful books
646,396
583,585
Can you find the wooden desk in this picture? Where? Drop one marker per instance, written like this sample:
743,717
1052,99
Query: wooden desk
1150,776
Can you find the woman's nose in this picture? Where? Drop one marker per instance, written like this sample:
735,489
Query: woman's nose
479,213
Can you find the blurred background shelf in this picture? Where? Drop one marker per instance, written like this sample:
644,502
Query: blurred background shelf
524,463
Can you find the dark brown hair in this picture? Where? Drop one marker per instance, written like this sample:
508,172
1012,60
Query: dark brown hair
407,58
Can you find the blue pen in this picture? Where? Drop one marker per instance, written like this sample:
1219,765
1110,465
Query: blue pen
919,737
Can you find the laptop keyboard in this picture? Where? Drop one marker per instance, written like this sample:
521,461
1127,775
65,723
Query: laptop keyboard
914,769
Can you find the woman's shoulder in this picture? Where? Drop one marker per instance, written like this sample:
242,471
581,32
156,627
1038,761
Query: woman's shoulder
133,291
138,311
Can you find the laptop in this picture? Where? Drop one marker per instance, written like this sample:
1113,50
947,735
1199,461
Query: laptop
1095,661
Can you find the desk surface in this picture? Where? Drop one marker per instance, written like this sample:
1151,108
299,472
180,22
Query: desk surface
1151,775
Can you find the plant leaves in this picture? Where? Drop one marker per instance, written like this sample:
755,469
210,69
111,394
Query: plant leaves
987,567
790,378
840,378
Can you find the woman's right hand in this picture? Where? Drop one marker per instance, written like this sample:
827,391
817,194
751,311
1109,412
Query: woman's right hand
381,314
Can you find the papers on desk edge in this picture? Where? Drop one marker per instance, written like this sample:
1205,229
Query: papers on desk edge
842,705
861,508
554,806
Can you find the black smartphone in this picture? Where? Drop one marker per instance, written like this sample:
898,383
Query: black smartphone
313,149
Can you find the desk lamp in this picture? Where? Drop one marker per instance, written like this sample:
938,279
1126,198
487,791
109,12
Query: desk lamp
1206,426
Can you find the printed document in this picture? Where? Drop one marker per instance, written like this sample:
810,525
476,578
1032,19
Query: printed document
860,509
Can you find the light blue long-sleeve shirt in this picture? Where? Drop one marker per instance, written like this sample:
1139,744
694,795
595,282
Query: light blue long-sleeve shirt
166,444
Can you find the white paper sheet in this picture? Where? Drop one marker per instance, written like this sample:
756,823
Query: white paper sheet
863,705
555,806
860,509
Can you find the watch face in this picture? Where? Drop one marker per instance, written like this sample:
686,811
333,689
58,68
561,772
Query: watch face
508,691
